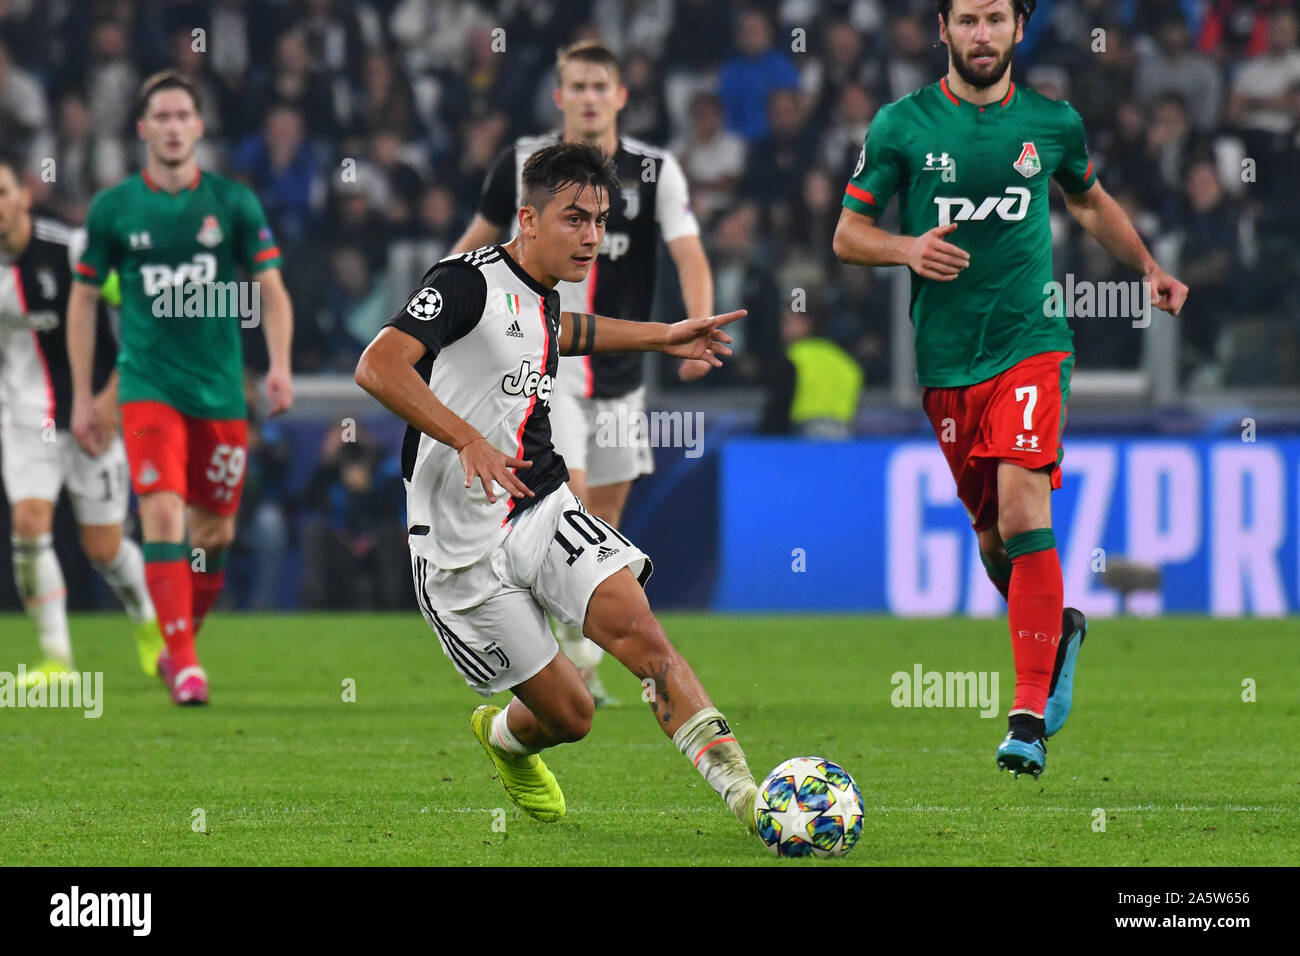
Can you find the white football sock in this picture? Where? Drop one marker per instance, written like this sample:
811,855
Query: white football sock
707,741
40,585
125,575
503,739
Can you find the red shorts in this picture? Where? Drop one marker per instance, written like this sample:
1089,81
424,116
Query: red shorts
200,459
1016,416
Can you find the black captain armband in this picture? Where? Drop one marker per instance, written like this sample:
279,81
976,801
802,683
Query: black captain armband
582,341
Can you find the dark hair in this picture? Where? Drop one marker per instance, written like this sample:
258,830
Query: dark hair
11,161
1022,8
165,80
553,167
587,51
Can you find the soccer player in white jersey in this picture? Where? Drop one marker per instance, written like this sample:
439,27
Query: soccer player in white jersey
651,206
469,363
40,456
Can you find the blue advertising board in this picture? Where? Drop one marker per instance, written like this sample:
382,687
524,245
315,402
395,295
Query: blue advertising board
875,525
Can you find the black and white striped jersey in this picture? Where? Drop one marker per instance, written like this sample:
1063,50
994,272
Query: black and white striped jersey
491,333
652,203
35,379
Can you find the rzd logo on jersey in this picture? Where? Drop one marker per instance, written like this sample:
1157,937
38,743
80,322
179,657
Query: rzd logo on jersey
202,268
526,382
1012,207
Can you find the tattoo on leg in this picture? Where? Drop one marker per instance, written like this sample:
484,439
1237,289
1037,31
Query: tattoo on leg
657,671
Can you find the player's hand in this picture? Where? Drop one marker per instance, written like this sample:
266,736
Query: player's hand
1167,293
933,258
485,463
107,419
701,338
691,369
85,428
279,390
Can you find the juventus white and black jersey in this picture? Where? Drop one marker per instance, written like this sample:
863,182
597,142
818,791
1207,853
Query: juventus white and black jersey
652,203
35,380
491,333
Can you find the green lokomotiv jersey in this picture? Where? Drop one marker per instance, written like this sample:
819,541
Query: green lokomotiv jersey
985,168
175,252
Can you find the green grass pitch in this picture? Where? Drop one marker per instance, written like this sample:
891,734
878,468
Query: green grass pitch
286,772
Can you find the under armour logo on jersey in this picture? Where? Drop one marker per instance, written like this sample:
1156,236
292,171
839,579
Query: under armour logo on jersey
1027,441
425,304
943,164
515,332
140,240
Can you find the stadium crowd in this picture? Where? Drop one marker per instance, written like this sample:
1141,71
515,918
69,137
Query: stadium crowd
366,129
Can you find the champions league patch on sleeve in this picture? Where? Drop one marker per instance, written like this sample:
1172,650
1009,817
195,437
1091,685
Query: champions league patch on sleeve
425,304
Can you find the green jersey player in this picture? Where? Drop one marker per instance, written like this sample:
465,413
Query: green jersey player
177,236
970,158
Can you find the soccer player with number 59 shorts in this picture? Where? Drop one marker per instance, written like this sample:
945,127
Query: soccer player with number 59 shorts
177,236
469,364
970,158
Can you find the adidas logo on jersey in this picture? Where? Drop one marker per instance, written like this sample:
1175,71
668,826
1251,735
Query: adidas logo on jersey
515,332
605,552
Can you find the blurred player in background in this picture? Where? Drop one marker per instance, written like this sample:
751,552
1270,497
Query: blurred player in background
971,158
469,363
176,234
40,456
652,203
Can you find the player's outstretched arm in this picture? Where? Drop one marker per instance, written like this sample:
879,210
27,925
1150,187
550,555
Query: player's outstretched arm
387,371
583,334
859,241
80,320
1104,218
278,329
696,279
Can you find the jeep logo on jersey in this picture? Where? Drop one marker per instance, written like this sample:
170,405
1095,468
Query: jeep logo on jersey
425,304
202,268
526,382
615,245
1011,207
1028,164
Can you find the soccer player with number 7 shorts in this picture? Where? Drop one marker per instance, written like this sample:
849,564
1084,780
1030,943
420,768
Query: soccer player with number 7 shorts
971,158
177,236
497,538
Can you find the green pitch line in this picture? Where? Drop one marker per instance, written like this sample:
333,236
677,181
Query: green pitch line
281,769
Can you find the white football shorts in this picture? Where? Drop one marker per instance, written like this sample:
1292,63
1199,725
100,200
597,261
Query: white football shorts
605,437
551,561
36,468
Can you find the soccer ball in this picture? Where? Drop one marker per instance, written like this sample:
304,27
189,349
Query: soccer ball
809,806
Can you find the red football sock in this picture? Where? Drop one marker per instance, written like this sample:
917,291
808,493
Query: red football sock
169,586
1034,604
206,586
